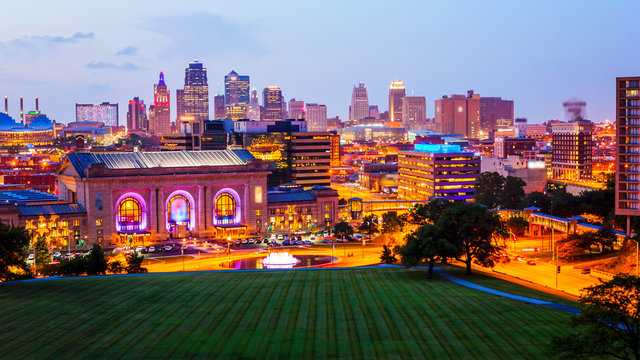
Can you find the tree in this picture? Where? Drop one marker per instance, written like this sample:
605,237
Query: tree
539,200
42,256
470,229
115,267
426,245
343,230
96,263
134,263
369,225
14,242
342,201
512,193
423,213
388,256
517,225
563,204
574,245
489,189
391,222
73,267
608,322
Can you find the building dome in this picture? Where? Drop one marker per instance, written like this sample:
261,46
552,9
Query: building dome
7,122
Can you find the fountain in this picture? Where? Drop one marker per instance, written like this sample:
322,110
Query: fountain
279,260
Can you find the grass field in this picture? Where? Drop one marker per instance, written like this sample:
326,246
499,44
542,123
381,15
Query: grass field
365,314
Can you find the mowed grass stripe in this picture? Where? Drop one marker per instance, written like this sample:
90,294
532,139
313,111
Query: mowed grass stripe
373,313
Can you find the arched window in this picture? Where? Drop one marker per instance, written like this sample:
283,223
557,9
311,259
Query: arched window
179,210
225,209
130,214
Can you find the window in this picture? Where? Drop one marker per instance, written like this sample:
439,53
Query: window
76,223
99,222
179,210
225,209
64,224
99,231
129,215
258,212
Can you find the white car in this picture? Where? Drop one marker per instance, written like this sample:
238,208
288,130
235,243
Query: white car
168,247
139,248
280,237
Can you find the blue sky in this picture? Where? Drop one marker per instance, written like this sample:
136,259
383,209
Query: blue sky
538,53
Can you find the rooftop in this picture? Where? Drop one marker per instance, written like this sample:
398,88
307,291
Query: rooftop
50,209
25,196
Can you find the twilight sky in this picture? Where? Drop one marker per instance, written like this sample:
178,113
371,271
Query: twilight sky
538,53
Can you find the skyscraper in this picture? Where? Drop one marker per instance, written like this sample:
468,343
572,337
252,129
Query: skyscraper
359,108
236,89
628,147
296,109
396,95
179,105
458,114
220,111
572,150
137,116
105,112
495,113
160,121
316,117
196,92
414,113
271,103
253,109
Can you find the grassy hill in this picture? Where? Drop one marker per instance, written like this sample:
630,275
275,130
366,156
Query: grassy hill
373,313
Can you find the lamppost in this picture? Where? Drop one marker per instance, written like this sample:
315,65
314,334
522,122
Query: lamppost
183,245
229,250
637,254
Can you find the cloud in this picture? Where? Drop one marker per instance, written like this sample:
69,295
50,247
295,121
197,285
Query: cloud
108,65
34,47
129,50
200,34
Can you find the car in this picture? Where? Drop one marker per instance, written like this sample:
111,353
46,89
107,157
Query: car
519,258
308,242
286,242
259,241
177,246
531,262
585,271
168,247
280,237
272,237
358,237
139,248
185,247
299,242
327,240
312,237
244,241
152,249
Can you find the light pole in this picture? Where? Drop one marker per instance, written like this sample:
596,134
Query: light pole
229,250
183,245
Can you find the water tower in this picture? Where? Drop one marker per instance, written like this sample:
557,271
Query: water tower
575,109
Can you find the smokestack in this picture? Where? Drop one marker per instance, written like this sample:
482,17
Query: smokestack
37,108
21,110
6,105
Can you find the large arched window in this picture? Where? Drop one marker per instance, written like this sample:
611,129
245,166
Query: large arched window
130,215
225,209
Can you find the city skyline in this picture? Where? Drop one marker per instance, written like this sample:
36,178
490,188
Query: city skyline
551,53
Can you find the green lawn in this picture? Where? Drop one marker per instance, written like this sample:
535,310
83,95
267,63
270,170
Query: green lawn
364,314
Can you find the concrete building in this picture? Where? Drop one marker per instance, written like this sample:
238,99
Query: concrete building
414,113
105,112
316,117
296,109
572,150
137,120
533,173
359,108
272,104
495,113
506,146
627,147
160,111
396,97
442,171
378,133
220,109
458,114
290,208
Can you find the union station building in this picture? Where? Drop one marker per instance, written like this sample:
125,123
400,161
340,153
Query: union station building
139,197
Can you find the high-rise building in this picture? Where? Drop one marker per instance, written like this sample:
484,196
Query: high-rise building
159,116
414,113
572,150
271,103
236,112
220,110
296,109
396,96
137,116
309,158
316,117
374,112
495,114
359,108
236,89
575,109
106,113
179,105
520,127
253,109
628,147
196,91
442,171
458,114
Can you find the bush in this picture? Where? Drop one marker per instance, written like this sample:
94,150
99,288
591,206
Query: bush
115,267
74,267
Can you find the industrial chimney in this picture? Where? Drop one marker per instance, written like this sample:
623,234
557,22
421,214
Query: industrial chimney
37,108
6,105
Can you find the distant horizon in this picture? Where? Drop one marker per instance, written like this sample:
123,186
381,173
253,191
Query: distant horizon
537,54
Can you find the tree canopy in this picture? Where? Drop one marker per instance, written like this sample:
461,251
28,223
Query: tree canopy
14,242
391,222
343,229
425,245
608,323
494,190
369,225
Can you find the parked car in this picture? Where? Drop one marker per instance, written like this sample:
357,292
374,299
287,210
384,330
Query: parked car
299,242
308,242
531,262
139,248
286,242
237,242
177,247
244,241
252,240
327,240
152,249
585,271
57,256
168,247
280,237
